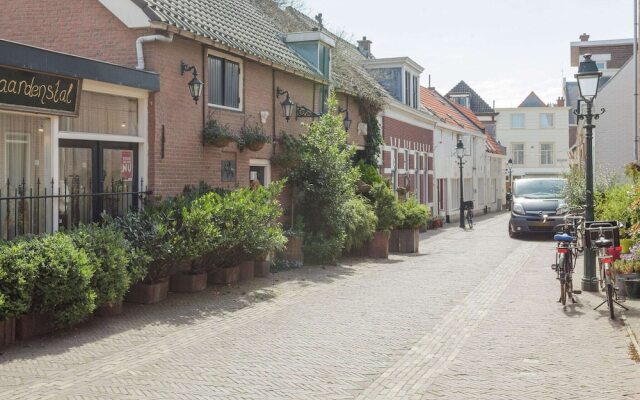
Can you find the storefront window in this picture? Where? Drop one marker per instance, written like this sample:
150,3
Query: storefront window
25,148
104,113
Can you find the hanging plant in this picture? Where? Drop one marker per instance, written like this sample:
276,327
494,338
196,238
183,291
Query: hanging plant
253,137
217,134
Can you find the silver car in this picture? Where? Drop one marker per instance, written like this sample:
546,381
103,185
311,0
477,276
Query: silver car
537,206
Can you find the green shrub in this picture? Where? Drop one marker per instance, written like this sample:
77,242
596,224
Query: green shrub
614,204
369,173
412,214
110,255
361,223
18,269
319,248
63,279
251,135
217,134
385,205
324,180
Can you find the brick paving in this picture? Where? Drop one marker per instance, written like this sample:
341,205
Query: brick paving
474,316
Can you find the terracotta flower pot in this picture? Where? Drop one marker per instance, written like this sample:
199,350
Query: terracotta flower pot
255,146
404,241
293,250
7,332
224,276
148,293
221,142
33,325
262,269
247,270
188,283
110,309
379,245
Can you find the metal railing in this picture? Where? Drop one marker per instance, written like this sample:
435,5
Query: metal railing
49,207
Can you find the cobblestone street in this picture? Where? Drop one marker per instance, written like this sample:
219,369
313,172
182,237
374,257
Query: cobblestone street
473,316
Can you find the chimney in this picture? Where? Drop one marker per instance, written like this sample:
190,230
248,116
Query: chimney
560,102
584,37
364,47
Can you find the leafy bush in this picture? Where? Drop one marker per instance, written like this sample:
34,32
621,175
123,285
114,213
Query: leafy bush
385,205
63,279
289,156
361,223
320,248
110,255
412,214
614,204
280,264
251,136
17,276
154,233
369,174
217,134
325,180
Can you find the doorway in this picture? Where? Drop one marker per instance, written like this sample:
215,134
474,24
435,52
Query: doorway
96,177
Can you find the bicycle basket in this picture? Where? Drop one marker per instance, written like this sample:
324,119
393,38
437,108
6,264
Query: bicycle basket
468,205
609,229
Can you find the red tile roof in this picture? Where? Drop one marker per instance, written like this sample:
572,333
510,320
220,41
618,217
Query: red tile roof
469,114
493,146
443,109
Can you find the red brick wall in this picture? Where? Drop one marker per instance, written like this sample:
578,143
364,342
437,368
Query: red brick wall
393,128
619,54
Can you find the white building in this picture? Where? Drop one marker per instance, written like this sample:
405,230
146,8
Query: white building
536,137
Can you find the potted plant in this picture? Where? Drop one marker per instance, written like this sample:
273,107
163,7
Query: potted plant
111,255
386,208
17,277
405,238
361,225
262,266
217,134
63,295
253,137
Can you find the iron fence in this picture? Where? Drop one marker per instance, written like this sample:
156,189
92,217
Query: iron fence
47,207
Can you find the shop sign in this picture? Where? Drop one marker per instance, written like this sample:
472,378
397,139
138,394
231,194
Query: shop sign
26,90
126,166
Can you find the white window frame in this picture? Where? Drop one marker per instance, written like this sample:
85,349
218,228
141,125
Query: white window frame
26,140
240,78
551,152
524,121
540,119
513,153
261,162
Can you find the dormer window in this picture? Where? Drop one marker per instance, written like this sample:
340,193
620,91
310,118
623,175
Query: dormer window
462,99
315,48
399,76
411,89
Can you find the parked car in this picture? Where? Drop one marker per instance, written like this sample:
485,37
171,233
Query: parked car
537,206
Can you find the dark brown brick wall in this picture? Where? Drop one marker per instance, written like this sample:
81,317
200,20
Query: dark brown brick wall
619,54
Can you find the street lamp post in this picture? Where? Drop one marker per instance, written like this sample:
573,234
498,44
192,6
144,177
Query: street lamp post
460,155
510,194
588,78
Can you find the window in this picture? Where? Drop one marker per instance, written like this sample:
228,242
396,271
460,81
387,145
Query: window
602,65
517,121
324,96
224,83
407,88
517,153
546,153
462,100
546,120
104,113
324,60
406,160
415,91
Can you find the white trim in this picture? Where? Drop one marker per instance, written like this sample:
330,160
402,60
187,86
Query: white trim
103,137
27,141
116,90
312,36
393,62
602,43
126,11
240,62
55,166
261,162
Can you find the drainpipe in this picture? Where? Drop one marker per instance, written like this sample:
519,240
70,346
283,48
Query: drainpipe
635,81
149,38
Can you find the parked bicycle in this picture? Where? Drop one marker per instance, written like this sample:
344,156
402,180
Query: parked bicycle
468,213
566,256
603,237
574,225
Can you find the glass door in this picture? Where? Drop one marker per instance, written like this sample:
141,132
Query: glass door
96,177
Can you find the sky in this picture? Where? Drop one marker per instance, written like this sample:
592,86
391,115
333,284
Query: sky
503,49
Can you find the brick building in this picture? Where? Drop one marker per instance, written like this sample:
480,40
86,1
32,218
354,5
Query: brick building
247,53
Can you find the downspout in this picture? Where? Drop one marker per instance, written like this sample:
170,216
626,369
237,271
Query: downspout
149,38
635,81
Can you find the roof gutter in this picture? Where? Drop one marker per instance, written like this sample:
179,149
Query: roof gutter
149,38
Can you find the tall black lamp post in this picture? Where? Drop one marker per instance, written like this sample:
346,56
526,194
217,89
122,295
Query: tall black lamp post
510,194
460,155
588,78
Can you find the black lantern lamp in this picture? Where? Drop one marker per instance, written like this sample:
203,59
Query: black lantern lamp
346,121
287,105
460,155
588,78
195,84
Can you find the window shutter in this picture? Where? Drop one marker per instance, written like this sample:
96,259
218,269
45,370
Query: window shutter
215,80
232,84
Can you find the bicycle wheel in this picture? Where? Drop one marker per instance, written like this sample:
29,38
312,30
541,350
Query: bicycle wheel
562,278
470,219
610,300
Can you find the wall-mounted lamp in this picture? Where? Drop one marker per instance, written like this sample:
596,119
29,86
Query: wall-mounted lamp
346,121
288,107
195,84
